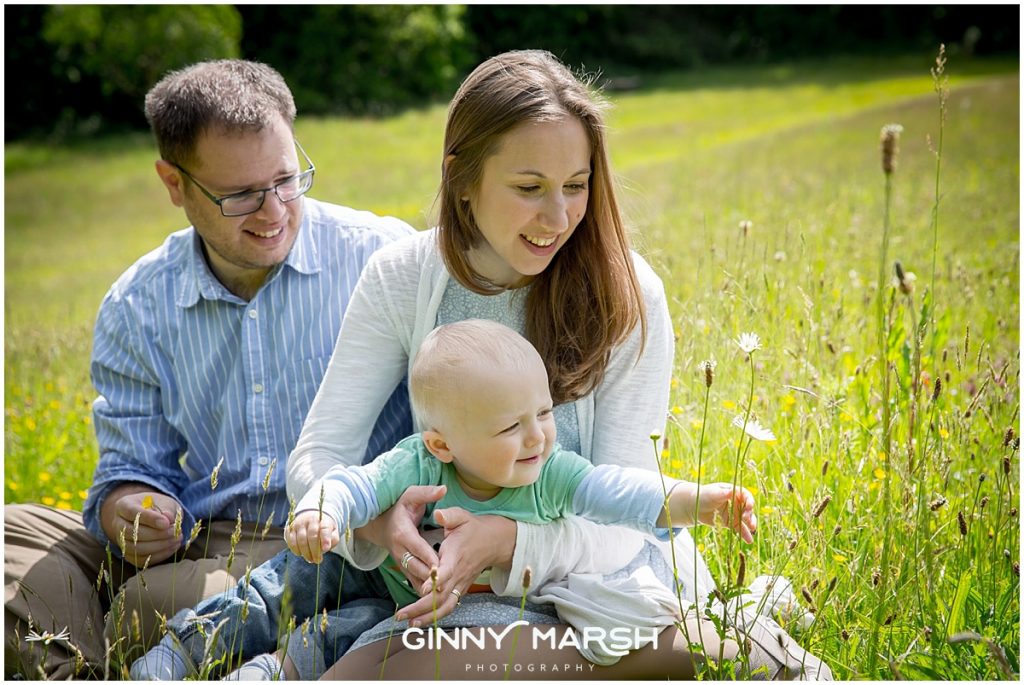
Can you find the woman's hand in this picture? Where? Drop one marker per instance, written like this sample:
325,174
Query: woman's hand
397,530
471,544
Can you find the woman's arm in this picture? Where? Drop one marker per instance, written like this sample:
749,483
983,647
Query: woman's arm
632,400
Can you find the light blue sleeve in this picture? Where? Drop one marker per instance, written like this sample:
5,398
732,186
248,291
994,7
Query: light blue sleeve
348,497
623,496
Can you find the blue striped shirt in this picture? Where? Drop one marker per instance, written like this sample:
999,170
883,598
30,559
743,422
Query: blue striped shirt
190,376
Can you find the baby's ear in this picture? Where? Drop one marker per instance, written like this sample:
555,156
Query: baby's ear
437,446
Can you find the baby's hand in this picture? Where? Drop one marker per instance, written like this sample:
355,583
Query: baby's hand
714,504
311,534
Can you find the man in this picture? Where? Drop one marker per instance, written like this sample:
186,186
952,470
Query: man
207,354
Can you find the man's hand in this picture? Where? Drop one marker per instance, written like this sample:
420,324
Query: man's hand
397,530
311,534
471,544
153,536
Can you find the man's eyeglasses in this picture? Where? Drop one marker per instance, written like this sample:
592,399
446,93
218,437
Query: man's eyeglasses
249,201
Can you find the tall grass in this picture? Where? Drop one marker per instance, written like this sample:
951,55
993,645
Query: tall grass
793,150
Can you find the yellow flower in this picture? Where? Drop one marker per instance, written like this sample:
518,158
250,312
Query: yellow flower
675,383
64,505
753,490
87,419
12,485
65,495
788,400
880,473
54,404
83,494
30,424
665,454
677,410
728,404
49,501
873,485
839,557
695,424
44,476
767,510
882,456
147,502
943,433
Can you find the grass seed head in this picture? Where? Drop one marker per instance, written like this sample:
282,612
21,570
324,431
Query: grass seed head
937,503
876,577
708,366
962,522
938,389
824,468
1008,438
820,506
890,147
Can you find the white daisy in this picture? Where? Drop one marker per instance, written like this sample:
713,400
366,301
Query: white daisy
754,429
749,342
46,637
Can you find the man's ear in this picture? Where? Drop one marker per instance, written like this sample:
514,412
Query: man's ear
437,446
172,180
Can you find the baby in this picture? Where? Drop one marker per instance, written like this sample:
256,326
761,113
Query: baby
481,391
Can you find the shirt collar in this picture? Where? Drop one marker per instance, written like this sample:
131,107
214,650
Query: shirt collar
199,281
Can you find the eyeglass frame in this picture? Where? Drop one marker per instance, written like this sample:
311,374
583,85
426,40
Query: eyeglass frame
219,201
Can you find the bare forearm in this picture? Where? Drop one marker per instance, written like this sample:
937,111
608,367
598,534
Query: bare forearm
682,505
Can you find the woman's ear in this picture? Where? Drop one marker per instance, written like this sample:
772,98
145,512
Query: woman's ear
438,446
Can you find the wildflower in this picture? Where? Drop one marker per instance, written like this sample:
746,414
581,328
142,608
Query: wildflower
880,473
820,506
745,226
943,433
46,637
754,429
728,404
44,476
147,502
839,558
749,342
708,367
890,147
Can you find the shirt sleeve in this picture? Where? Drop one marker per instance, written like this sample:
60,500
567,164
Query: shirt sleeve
632,400
624,496
136,442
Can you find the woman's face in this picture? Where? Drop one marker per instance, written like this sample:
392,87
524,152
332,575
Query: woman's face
532,194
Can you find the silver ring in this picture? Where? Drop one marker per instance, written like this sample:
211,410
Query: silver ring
405,559
458,596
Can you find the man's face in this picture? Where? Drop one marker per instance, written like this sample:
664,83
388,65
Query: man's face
241,250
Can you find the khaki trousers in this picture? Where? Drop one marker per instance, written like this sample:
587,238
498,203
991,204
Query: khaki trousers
57,576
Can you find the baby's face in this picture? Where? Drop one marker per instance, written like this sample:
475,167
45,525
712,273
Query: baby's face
502,429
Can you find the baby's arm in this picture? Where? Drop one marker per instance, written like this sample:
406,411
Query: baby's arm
343,499
712,504
636,498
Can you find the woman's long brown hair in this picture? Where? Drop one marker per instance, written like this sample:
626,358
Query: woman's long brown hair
588,299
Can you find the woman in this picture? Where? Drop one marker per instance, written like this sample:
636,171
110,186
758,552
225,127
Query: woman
529,235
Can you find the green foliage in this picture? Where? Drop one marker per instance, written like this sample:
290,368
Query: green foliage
127,48
360,58
793,149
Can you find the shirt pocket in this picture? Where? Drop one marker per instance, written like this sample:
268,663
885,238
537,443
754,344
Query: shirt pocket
302,380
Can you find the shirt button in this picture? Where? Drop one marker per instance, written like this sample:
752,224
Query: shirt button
252,313
257,388
263,461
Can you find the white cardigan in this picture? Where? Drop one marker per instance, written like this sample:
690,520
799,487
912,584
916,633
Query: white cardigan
392,309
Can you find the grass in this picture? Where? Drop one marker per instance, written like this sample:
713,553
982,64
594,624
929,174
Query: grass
794,150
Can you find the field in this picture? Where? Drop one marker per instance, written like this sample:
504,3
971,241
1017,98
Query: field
759,197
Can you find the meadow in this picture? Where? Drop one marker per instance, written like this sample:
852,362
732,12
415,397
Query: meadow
758,195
